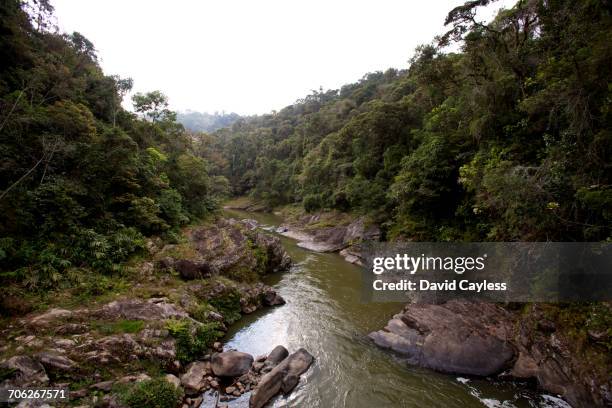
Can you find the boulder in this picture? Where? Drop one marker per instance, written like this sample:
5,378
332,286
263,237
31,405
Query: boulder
25,371
284,377
271,298
173,379
194,379
231,363
278,354
56,362
456,337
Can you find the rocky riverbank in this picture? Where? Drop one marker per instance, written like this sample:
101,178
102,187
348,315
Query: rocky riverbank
166,324
484,339
558,347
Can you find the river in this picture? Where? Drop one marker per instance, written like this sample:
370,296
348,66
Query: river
325,315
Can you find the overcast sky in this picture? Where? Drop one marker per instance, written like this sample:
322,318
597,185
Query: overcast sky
249,56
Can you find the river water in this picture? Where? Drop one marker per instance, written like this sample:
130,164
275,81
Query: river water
325,315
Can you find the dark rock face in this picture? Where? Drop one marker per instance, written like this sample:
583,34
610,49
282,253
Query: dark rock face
455,337
284,377
189,269
231,363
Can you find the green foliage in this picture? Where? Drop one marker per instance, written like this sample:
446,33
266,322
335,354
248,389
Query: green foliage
82,180
227,303
193,340
154,393
508,139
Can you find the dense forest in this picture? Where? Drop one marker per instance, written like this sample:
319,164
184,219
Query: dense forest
206,122
82,180
508,139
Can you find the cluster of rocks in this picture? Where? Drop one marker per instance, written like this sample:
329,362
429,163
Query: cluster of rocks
484,339
230,375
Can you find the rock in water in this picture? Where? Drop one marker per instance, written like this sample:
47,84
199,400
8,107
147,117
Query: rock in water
284,377
456,337
231,363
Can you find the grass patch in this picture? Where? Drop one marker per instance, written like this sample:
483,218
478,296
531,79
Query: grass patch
121,326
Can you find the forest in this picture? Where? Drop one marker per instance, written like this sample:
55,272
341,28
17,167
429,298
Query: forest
82,179
507,139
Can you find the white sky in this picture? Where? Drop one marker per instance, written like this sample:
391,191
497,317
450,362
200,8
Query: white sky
251,56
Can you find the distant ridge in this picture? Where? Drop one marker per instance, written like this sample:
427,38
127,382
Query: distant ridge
206,122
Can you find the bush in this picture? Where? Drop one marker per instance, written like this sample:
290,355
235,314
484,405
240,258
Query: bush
154,393
193,340
312,202
228,304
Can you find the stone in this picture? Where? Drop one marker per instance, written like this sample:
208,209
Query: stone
56,362
27,371
194,380
271,298
284,377
173,379
231,363
103,386
50,316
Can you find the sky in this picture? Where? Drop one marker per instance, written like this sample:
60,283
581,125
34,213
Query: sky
247,56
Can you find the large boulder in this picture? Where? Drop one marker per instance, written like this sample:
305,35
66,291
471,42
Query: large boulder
456,337
231,363
194,379
283,378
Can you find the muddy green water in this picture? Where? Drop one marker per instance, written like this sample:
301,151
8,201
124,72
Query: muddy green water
325,315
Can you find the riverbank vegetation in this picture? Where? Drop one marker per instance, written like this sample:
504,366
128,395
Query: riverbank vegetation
507,138
83,181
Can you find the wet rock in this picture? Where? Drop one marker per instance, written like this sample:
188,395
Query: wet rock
271,298
456,337
25,371
231,363
55,362
284,377
194,379
278,354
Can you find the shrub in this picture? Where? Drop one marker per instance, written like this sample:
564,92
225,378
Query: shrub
193,340
228,304
154,393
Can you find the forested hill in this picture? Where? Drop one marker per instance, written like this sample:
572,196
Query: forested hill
206,122
508,139
82,180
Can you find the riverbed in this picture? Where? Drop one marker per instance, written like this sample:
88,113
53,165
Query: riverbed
325,315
